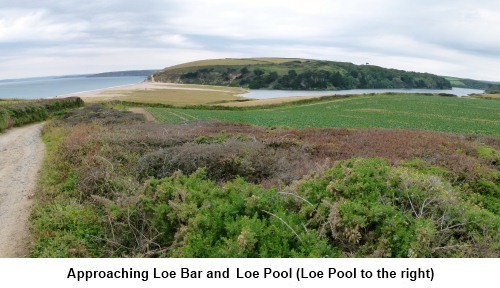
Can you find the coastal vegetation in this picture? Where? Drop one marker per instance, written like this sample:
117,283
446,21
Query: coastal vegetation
296,74
20,112
493,89
492,92
114,185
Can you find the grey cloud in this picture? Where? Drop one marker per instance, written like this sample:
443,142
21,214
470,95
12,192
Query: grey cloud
438,31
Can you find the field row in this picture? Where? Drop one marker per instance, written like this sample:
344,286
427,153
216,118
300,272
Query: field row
444,114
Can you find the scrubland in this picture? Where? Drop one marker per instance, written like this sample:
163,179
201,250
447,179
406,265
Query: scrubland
114,185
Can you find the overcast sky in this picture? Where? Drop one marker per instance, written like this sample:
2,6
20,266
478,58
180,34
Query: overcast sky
59,37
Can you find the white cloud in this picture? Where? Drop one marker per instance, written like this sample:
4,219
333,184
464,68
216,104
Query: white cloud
177,40
36,25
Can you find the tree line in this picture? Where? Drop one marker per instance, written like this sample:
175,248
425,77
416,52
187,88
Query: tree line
295,76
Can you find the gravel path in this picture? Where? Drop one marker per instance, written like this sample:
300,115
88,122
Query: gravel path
21,154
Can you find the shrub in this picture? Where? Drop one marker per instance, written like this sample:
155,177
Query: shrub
197,218
122,175
367,208
25,112
223,161
99,113
4,119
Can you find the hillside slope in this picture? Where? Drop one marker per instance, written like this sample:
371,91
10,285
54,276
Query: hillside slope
297,74
469,83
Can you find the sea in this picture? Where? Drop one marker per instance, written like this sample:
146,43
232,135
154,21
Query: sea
48,87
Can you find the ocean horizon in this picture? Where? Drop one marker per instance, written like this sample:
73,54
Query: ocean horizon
36,88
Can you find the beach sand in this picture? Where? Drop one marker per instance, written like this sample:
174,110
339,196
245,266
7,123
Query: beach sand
143,86
153,89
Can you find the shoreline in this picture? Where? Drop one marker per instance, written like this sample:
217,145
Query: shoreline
91,91
117,91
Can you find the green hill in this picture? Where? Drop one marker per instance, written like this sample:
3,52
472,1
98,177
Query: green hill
469,83
296,74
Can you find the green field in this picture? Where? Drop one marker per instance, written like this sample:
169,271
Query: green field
232,61
445,114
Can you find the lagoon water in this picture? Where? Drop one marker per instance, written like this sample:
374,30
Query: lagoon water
268,94
53,87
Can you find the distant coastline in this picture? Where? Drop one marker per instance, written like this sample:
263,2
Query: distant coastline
35,88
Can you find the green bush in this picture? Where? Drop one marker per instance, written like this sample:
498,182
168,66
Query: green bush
4,119
25,112
67,230
198,218
369,208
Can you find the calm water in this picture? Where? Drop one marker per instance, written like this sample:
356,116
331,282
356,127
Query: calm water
47,88
268,94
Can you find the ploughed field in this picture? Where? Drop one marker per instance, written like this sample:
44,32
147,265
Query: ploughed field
422,112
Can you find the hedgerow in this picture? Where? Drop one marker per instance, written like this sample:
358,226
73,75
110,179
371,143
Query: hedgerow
25,112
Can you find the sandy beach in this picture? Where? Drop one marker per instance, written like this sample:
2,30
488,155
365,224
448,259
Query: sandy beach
113,92
169,89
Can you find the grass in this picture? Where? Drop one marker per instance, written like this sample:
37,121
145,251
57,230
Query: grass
231,61
444,114
455,82
185,95
12,101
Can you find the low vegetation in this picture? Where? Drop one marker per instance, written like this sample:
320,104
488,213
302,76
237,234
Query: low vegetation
296,74
486,96
424,112
20,112
116,186
493,89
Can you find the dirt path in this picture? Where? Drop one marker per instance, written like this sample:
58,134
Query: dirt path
21,154
143,111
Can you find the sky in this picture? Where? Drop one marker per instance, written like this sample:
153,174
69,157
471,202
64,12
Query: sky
54,37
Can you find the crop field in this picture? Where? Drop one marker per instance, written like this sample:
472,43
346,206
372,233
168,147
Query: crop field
444,114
